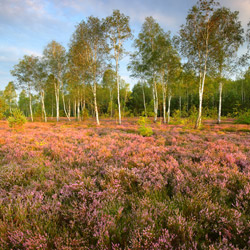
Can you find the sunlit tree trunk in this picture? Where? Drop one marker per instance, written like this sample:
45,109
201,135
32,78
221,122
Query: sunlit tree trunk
155,95
220,102
64,107
31,113
164,97
95,103
144,101
118,93
43,106
57,93
169,105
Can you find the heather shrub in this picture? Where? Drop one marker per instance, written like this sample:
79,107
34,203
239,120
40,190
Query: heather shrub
17,118
144,127
80,187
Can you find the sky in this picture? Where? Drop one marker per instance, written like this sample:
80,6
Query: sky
27,26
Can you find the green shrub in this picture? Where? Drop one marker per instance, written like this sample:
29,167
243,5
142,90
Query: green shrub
193,113
17,118
210,113
144,129
85,114
243,117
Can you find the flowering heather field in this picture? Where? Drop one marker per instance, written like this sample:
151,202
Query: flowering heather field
78,186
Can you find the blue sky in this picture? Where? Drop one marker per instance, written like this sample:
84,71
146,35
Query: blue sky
27,26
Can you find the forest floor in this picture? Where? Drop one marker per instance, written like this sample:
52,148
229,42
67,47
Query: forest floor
75,185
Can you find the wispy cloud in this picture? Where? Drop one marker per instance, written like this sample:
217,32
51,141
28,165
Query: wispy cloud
243,6
13,54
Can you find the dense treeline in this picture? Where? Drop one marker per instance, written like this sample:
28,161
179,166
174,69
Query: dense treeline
84,80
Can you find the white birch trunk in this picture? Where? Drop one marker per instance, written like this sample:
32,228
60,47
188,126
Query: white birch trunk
144,101
43,106
95,103
31,113
220,102
155,100
169,105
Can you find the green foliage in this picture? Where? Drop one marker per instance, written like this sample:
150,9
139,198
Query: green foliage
210,113
193,112
144,129
17,118
243,117
3,108
177,118
85,114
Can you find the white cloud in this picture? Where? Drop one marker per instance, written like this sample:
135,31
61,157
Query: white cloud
243,6
13,54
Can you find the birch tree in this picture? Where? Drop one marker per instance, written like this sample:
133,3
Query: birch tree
24,73
40,80
168,61
145,59
55,57
118,31
196,42
9,94
227,38
90,36
109,81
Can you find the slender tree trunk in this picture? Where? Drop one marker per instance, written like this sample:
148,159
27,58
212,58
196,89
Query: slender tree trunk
43,106
118,92
75,113
201,89
144,101
169,104
57,93
64,107
164,101
220,102
95,103
155,99
31,113
78,109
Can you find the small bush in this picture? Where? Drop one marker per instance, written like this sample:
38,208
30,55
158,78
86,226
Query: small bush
243,117
17,118
144,129
85,114
211,113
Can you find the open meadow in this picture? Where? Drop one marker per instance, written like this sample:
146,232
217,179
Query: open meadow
81,186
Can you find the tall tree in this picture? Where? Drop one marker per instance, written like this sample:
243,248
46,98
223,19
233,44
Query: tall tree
90,36
23,102
55,58
168,63
40,81
24,72
118,31
10,95
109,81
145,58
196,42
227,38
